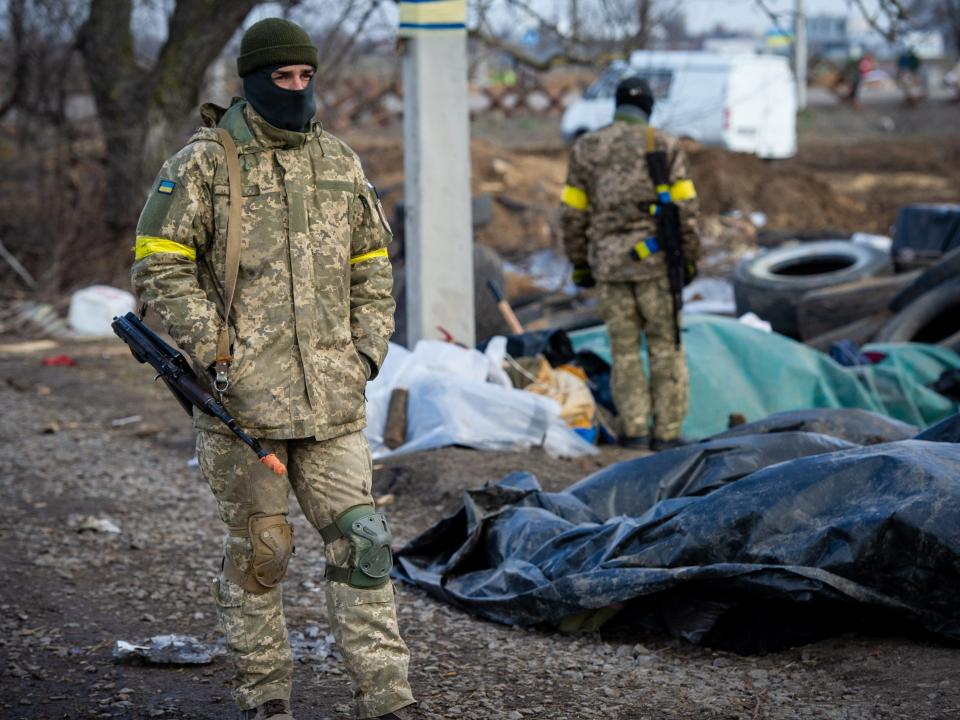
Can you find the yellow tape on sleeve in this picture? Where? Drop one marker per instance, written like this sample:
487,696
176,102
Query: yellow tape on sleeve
683,190
382,252
148,245
575,198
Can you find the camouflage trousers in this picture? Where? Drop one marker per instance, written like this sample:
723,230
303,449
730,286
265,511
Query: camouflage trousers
327,478
629,309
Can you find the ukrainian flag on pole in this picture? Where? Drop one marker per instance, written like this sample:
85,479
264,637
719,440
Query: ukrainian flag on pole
430,17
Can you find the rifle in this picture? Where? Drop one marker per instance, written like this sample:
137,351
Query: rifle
669,237
148,347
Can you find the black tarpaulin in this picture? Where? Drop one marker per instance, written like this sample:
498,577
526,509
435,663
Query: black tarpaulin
852,424
788,523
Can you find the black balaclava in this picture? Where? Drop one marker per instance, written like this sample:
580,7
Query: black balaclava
282,108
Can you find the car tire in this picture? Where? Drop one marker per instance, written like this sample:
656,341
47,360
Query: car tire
934,317
946,268
826,309
772,284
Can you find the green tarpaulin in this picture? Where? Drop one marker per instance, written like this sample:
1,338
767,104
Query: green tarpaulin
737,369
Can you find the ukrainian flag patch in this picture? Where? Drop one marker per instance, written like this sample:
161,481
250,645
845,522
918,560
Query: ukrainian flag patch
166,187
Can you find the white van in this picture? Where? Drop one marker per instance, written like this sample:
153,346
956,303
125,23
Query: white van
746,103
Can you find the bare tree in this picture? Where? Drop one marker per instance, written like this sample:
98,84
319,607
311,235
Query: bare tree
145,78
889,17
942,15
140,107
589,35
343,30
40,34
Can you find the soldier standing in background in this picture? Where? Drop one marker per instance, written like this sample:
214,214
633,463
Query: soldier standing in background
308,327
609,235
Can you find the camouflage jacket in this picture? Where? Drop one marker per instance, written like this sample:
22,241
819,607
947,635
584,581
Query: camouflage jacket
607,198
313,290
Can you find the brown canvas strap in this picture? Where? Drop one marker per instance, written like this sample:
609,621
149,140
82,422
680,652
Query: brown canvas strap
232,264
651,139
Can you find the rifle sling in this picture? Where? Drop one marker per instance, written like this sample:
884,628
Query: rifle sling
232,265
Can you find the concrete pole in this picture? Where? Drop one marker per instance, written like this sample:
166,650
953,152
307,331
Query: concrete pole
800,53
436,162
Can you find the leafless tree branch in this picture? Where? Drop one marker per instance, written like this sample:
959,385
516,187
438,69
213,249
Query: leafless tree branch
540,64
773,16
16,23
892,10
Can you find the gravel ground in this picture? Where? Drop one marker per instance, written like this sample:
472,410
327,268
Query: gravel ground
71,451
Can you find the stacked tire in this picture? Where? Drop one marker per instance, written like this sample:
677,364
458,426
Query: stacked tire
772,284
928,310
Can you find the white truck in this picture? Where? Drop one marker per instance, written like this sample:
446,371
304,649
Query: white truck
746,103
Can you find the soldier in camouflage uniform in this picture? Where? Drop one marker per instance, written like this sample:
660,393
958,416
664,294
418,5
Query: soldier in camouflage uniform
308,327
606,223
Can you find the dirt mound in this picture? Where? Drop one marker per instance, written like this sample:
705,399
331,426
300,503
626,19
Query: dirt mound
829,186
524,188
791,197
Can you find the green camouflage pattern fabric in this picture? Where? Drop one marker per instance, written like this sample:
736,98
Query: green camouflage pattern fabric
304,316
656,405
327,477
608,166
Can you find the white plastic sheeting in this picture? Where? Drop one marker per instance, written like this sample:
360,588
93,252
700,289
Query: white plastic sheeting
451,402
709,295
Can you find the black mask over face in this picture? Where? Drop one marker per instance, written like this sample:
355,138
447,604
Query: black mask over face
282,108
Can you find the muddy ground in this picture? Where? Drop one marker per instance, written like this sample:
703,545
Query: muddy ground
70,450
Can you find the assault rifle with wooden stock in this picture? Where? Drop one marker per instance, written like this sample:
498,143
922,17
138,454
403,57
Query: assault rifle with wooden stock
172,367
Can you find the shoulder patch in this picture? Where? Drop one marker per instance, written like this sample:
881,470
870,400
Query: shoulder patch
154,213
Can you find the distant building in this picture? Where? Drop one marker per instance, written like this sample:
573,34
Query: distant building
828,36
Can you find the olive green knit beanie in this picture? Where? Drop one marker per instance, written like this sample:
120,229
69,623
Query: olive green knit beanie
274,42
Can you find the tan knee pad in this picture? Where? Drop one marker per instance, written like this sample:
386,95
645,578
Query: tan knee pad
271,537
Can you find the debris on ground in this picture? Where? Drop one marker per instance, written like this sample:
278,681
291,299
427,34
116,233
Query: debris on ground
313,645
35,319
735,368
90,523
58,361
451,402
93,308
84,592
924,232
167,650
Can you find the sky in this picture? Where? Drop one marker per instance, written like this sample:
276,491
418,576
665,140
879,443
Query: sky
745,14
701,15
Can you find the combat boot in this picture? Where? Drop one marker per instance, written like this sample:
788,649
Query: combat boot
657,445
635,442
272,709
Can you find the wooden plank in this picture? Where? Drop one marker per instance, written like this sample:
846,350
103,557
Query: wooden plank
395,429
